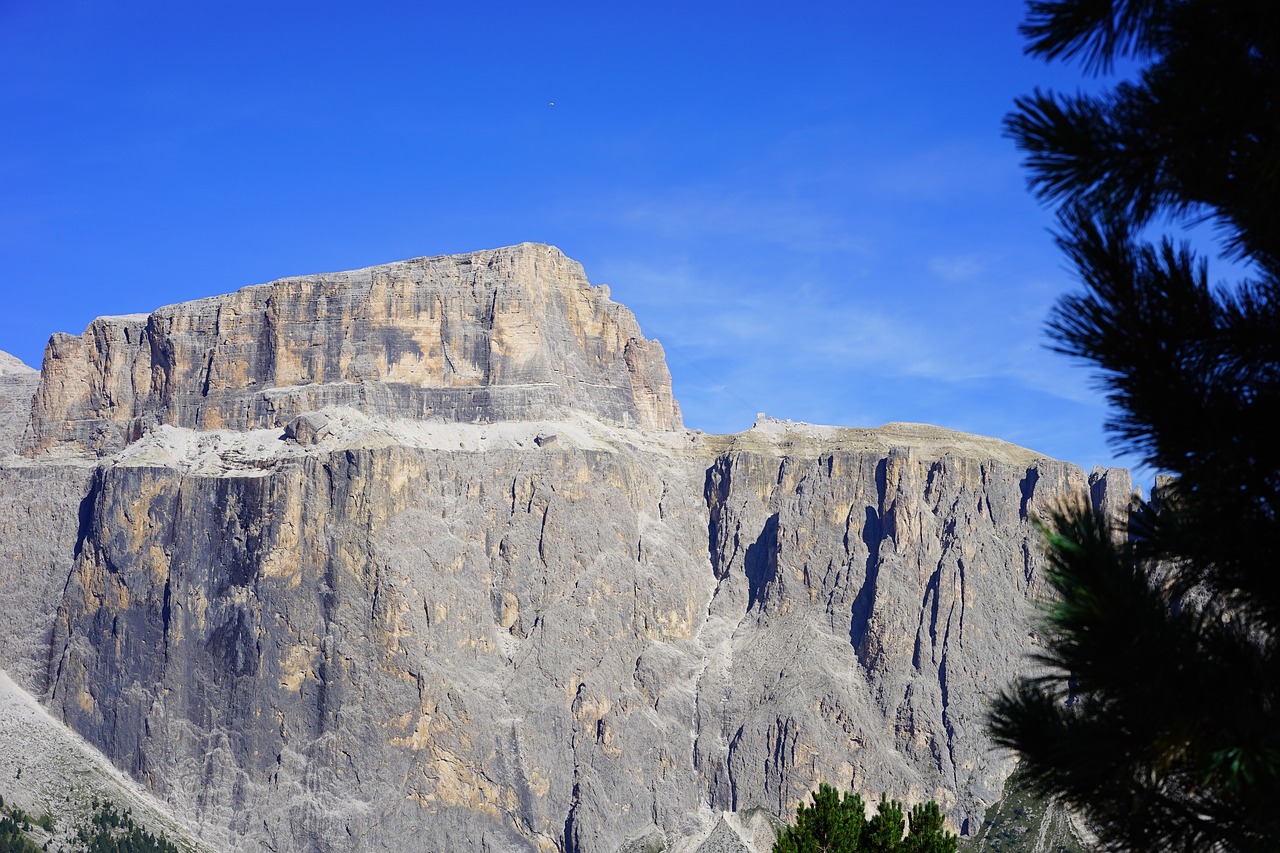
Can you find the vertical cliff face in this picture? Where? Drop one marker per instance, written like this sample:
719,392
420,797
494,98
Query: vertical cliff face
545,632
515,333
39,525
886,597
557,647
382,642
17,387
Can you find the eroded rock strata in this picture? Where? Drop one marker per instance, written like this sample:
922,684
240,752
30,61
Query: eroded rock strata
507,334
419,557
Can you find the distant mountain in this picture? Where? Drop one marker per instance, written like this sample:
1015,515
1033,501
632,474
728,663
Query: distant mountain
421,557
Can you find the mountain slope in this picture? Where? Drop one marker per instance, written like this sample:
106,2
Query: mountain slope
47,769
505,626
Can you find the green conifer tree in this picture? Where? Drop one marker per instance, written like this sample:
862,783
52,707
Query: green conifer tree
1158,717
884,830
831,825
840,825
927,833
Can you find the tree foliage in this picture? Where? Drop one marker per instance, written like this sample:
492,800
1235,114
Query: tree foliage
1159,715
835,824
112,831
108,830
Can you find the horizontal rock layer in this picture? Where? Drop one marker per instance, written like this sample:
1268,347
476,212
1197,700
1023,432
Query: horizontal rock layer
506,334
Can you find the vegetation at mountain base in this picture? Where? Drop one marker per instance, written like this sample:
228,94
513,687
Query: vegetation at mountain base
13,838
1158,717
835,824
15,829
111,831
108,830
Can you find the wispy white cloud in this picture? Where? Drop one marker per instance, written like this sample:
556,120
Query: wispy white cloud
958,267
810,337
946,171
712,211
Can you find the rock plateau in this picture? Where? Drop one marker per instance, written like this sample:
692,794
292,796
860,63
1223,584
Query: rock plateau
421,557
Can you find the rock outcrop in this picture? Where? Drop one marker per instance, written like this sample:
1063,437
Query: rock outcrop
507,334
319,593
17,387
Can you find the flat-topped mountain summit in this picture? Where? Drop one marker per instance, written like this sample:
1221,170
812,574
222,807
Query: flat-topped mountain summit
420,557
507,334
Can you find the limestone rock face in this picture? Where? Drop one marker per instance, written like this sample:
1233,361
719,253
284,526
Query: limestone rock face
513,333
40,530
330,628
17,388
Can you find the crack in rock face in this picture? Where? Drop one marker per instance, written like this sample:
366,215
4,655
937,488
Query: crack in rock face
420,557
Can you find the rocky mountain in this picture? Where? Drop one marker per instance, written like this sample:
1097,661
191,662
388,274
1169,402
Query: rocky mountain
421,557
508,334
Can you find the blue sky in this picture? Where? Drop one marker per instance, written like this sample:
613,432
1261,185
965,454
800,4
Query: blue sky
812,208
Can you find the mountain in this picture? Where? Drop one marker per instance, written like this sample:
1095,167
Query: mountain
421,557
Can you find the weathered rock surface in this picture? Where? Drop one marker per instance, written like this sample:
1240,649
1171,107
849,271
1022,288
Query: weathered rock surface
330,627
17,388
506,334
49,770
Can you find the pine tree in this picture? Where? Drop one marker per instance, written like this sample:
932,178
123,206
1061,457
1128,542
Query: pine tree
884,830
926,833
831,825
839,825
1159,715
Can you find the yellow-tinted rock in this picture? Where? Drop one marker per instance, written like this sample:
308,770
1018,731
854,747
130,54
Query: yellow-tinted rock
507,334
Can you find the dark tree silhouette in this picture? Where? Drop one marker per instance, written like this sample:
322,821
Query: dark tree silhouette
1159,715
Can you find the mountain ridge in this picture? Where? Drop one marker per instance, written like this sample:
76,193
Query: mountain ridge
562,628
450,337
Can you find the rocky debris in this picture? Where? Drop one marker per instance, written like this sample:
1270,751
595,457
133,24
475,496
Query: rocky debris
520,627
1021,822
723,839
507,334
308,428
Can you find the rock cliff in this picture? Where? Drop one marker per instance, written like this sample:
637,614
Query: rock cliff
17,387
419,557
48,770
499,335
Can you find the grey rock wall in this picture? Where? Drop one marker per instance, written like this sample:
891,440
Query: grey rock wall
506,334
40,522
17,388
551,632
560,648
